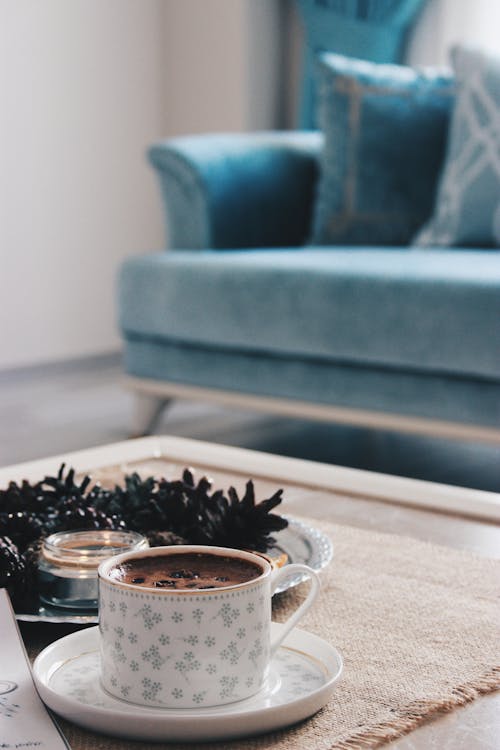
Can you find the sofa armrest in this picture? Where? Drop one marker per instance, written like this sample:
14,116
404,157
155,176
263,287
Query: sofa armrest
238,190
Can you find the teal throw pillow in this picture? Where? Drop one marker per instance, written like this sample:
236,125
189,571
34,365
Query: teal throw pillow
467,211
385,129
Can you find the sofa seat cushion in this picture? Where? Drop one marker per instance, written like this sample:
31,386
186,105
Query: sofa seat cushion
424,311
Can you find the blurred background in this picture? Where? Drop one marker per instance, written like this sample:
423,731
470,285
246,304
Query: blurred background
86,86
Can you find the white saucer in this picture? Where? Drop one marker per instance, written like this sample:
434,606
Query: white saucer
301,680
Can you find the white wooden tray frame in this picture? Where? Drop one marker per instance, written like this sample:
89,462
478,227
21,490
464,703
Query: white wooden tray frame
430,495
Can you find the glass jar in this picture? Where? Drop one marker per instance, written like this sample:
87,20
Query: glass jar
67,568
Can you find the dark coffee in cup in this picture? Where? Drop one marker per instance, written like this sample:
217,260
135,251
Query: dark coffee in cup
185,570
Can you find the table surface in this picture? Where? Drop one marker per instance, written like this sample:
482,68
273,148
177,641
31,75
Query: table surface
473,727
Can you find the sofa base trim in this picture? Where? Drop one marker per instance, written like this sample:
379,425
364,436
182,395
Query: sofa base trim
320,412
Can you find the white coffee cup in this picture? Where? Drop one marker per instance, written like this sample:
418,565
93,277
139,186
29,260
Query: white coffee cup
191,647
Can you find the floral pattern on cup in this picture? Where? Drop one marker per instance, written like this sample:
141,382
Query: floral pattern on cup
227,648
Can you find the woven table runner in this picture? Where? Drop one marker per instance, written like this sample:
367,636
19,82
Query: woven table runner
418,626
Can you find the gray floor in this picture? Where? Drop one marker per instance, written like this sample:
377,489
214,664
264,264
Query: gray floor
66,407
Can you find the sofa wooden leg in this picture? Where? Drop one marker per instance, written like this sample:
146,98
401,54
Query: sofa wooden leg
147,412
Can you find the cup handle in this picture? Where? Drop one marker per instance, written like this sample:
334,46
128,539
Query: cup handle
285,572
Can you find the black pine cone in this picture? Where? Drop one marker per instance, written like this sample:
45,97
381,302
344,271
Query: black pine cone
182,503
63,487
139,504
12,570
74,516
31,555
24,497
243,524
164,538
21,528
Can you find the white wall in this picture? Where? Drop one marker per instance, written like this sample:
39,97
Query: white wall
81,86
446,22
204,66
86,85
222,65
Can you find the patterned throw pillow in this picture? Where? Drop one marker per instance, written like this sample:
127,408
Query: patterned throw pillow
385,129
468,203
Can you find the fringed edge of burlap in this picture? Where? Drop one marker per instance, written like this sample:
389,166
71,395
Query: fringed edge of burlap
417,713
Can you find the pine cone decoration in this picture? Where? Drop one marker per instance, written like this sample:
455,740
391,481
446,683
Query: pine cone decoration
73,516
182,502
164,538
168,512
31,556
61,488
24,497
21,528
240,523
184,507
139,504
12,569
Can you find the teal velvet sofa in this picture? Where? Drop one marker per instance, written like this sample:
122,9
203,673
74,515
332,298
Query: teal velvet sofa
242,310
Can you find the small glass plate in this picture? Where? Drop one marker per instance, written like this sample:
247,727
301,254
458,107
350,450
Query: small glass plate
299,542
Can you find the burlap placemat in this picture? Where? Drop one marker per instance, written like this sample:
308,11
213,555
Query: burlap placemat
418,626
